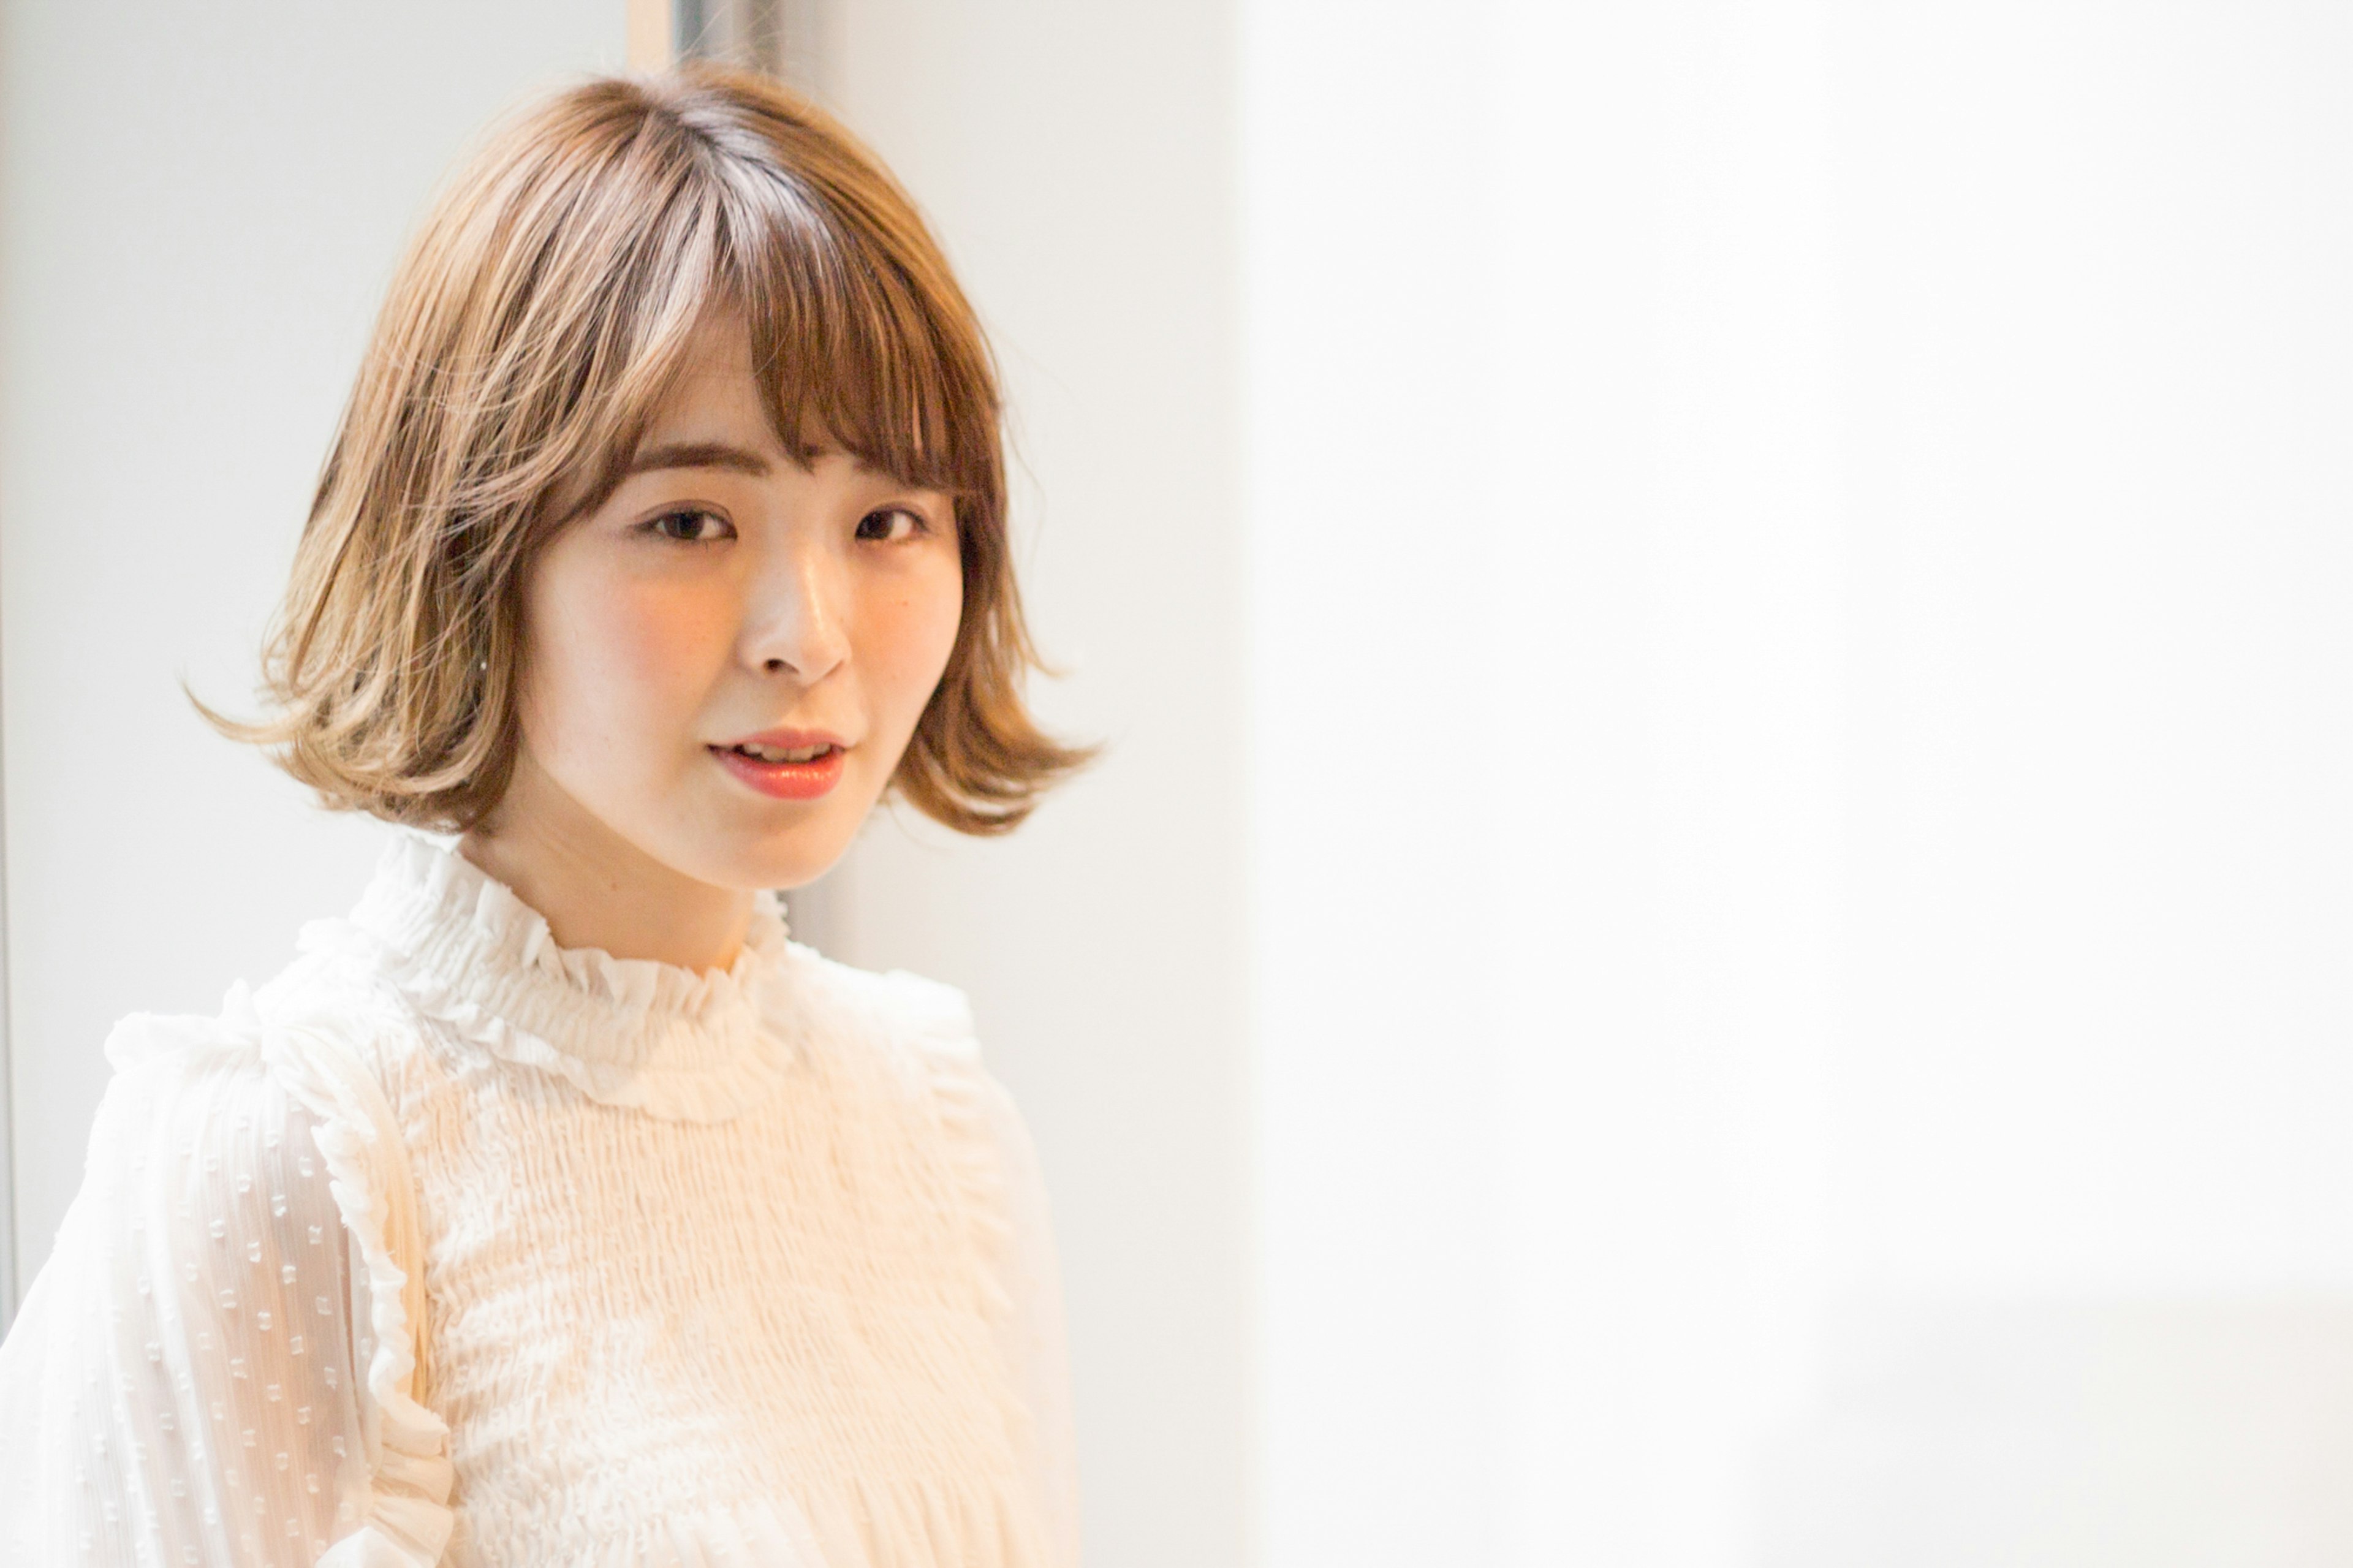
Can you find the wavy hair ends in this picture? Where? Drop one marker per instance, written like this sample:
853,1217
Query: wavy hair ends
538,319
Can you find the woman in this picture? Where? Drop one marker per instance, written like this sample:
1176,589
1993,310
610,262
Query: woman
553,1207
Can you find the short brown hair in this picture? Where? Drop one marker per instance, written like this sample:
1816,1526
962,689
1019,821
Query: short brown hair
539,317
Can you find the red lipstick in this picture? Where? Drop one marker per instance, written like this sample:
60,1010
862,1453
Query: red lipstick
785,764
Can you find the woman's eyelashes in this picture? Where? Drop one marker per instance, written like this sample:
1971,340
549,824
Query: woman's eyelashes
690,525
889,524
701,525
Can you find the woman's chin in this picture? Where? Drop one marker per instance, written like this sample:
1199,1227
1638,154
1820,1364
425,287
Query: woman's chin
782,858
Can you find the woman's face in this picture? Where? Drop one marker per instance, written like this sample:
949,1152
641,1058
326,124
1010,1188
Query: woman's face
724,661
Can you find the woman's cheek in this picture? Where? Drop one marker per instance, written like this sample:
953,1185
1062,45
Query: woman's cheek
638,659
917,629
674,628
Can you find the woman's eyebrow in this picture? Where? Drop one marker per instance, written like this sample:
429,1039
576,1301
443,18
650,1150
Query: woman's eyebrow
697,455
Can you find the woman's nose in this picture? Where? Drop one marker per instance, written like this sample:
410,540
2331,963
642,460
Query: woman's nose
796,623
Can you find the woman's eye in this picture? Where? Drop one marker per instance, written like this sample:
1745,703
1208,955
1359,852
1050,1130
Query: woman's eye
690,525
890,524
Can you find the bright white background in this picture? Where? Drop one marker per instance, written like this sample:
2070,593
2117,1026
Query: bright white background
1803,733
1716,929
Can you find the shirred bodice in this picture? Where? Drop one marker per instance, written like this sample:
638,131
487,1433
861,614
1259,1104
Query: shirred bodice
643,1265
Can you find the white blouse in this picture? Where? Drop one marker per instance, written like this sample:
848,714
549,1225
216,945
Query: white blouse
452,1245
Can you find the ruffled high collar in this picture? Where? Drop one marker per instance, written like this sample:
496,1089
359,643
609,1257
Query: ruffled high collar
671,1042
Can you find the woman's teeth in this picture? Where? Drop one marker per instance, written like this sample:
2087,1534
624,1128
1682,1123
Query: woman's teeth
781,754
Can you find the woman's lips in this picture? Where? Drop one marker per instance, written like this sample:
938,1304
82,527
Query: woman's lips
785,780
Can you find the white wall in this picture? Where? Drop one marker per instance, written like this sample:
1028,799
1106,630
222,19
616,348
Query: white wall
1803,720
202,206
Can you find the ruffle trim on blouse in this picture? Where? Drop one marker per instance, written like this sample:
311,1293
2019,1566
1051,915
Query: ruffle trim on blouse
674,1043
405,1519
938,1023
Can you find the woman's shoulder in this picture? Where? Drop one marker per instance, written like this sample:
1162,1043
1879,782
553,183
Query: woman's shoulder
324,1023
924,1028
200,1086
891,1009
235,1154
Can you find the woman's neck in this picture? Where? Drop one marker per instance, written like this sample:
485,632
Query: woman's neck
595,888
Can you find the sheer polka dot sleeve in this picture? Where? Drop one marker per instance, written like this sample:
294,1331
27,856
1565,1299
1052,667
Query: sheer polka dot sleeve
188,1382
